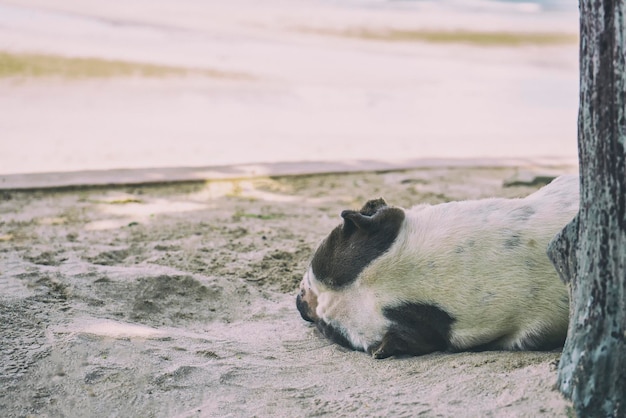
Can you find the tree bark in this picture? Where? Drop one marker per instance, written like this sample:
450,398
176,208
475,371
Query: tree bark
590,252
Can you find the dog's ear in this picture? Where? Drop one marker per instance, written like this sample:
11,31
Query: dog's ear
365,219
373,206
353,220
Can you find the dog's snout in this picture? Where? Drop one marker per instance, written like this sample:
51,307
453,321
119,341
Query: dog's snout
303,307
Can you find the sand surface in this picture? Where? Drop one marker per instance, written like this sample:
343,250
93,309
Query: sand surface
178,301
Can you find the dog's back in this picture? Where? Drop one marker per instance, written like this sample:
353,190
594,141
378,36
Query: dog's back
484,263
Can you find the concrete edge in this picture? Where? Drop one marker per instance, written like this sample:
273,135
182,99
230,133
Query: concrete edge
164,175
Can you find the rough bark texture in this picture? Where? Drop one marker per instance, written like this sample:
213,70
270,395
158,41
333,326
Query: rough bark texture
590,253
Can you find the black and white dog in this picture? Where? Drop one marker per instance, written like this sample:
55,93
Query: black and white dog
469,275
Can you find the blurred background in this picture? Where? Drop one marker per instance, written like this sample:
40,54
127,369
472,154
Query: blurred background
87,84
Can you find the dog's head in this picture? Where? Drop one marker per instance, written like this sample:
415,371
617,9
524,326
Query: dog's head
363,236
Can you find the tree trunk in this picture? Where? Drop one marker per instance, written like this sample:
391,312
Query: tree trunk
590,253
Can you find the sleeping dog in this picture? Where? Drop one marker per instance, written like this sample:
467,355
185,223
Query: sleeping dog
469,275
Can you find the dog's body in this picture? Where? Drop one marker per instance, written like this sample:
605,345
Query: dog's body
456,276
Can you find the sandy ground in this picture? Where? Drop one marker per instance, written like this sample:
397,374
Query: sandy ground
178,301
310,96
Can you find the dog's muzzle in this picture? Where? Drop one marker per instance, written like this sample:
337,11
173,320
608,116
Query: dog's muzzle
303,307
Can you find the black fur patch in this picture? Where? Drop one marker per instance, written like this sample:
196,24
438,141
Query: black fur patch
417,329
364,236
304,309
545,342
334,334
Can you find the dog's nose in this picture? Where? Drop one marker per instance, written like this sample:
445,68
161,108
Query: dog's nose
303,307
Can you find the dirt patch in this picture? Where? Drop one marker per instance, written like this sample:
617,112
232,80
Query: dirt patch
179,301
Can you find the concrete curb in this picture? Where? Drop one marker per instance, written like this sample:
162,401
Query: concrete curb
164,175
